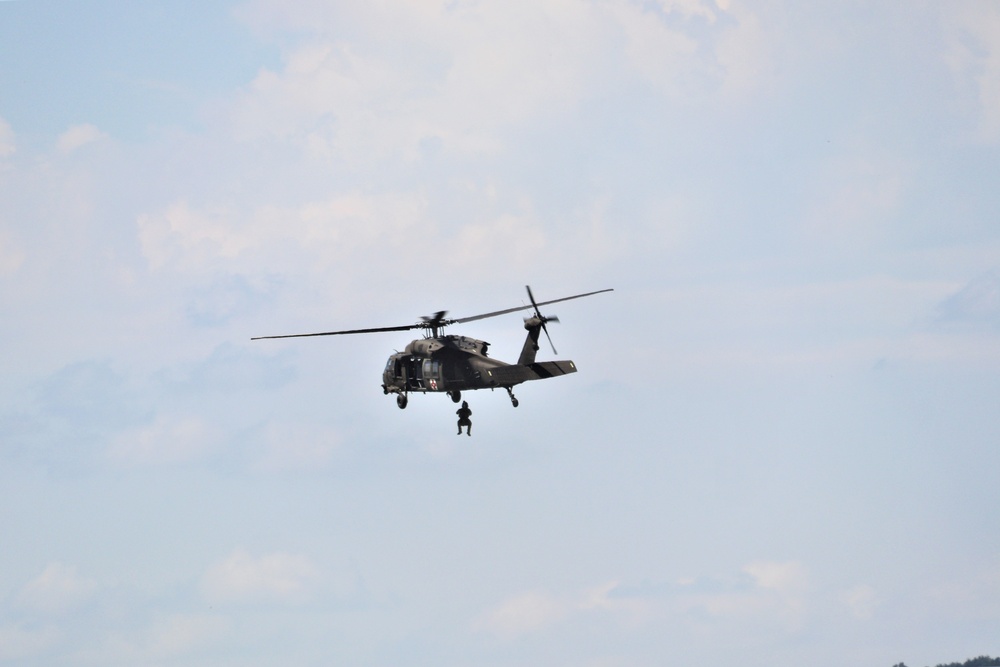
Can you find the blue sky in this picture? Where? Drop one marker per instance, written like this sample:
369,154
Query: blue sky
781,445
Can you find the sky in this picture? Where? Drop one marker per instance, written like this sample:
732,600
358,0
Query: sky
781,446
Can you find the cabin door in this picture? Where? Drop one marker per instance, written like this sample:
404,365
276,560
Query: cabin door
414,374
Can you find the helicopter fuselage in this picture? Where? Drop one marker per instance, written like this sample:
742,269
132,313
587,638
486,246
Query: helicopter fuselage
454,364
446,363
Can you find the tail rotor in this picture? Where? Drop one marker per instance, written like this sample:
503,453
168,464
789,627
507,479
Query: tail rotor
542,319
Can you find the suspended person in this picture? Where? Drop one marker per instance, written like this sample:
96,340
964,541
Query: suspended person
463,418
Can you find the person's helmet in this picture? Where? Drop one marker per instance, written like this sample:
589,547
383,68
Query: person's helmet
465,404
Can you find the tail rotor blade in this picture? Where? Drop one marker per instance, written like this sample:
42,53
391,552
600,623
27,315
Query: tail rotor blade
546,330
531,297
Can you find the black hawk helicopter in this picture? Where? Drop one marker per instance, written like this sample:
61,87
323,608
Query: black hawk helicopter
453,364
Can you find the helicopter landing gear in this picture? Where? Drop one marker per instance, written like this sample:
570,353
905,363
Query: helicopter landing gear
513,399
401,401
456,396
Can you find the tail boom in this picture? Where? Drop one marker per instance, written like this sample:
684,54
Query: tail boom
508,376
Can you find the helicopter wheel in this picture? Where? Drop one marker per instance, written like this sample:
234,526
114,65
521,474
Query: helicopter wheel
401,401
456,396
513,400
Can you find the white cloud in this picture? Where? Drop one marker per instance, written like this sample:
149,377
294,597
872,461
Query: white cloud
166,637
972,595
974,57
769,592
57,589
78,136
844,323
168,440
280,577
7,143
183,633
459,77
536,611
416,70
18,643
295,446
319,243
861,601
605,598
744,52
786,578
11,256
463,74
689,8
859,197
660,53
314,236
524,613
976,303
521,240
786,586
186,238
765,592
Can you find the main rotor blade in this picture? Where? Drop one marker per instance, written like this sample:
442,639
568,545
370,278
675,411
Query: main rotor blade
352,331
442,322
463,320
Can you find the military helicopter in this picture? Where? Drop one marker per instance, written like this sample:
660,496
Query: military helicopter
453,364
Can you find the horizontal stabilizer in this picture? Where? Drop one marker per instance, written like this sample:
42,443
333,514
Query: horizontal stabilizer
547,369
